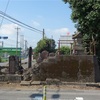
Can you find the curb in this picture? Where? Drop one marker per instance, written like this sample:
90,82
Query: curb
28,83
93,84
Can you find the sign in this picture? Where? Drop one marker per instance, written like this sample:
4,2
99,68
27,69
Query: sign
5,37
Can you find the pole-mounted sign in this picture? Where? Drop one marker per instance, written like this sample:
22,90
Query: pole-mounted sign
5,37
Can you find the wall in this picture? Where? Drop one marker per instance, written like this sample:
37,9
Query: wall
75,68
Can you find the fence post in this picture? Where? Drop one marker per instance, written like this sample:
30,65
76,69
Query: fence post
30,58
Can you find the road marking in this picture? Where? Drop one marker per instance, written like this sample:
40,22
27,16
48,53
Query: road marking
37,98
79,98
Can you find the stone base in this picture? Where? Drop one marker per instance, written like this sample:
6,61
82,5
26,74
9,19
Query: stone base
10,78
25,83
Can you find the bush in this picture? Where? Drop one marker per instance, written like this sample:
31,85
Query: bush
65,50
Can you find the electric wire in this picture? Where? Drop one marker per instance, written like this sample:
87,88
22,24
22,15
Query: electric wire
15,21
5,15
19,24
5,12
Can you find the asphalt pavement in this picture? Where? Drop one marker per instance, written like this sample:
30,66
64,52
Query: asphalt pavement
4,64
51,94
24,63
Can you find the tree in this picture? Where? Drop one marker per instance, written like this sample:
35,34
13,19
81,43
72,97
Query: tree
45,44
86,15
0,59
65,50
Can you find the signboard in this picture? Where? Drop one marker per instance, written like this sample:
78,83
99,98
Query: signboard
5,37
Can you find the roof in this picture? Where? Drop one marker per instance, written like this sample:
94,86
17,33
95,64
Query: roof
77,35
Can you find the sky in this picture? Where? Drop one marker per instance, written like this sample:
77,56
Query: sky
54,16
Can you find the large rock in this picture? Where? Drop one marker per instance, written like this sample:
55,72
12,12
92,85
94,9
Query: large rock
44,54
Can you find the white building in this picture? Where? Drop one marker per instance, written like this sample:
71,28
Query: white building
65,40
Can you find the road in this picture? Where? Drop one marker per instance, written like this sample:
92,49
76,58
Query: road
24,63
4,64
7,63
11,94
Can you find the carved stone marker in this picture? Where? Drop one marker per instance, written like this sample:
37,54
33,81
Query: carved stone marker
13,64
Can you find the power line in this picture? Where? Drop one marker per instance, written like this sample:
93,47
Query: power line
5,15
18,24
7,5
5,12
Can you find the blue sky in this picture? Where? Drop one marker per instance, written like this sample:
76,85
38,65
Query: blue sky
52,15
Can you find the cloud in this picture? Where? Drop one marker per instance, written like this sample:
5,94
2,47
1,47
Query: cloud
61,31
35,24
8,29
58,32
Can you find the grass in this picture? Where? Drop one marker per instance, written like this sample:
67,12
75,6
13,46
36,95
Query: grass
3,59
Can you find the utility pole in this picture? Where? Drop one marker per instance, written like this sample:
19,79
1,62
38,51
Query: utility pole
2,44
43,33
25,45
22,41
26,48
17,39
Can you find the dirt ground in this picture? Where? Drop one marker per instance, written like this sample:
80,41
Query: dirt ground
17,86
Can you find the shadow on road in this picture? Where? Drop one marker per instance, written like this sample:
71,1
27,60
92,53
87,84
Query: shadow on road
36,95
55,96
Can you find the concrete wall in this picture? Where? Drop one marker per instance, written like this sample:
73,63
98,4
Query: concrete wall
69,68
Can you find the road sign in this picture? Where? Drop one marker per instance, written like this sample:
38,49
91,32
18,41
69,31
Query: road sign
5,37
